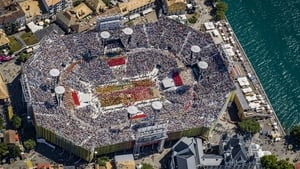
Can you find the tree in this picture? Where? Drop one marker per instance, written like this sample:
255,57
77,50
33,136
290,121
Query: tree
76,2
23,57
269,161
29,144
14,151
193,19
220,15
284,164
147,166
101,161
16,121
3,150
249,126
221,9
295,133
107,2
222,6
1,122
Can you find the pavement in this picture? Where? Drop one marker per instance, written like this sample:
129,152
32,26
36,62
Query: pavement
204,16
9,70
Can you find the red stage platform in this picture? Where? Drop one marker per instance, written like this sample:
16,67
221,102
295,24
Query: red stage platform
116,62
75,98
177,79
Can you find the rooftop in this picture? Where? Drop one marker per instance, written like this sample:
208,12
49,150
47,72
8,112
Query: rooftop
52,2
5,3
126,7
172,2
11,14
3,38
31,8
81,11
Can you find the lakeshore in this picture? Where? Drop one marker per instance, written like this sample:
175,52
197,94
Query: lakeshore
248,68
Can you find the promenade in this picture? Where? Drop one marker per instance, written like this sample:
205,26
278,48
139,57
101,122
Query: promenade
246,70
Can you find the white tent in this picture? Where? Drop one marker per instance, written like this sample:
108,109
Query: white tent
243,81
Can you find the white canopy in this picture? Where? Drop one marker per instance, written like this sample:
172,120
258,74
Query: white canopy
243,81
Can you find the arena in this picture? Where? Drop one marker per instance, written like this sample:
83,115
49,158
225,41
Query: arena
102,74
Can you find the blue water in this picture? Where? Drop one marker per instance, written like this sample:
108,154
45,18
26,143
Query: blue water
269,31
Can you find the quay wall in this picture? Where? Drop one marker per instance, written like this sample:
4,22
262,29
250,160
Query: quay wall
260,88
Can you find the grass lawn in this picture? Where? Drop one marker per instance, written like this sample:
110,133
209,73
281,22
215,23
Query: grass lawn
29,38
14,45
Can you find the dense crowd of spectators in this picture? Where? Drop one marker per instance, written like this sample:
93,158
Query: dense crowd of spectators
154,45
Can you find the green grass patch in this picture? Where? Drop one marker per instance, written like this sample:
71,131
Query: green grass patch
14,45
29,38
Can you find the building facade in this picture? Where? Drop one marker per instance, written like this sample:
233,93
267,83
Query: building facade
12,16
135,8
55,6
174,7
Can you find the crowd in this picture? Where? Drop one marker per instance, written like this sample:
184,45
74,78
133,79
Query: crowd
154,45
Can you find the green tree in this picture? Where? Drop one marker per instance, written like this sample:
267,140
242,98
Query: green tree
23,57
249,126
220,15
102,160
269,161
29,144
147,166
76,2
221,9
14,151
16,121
295,133
283,164
3,150
1,122
222,6
193,19
107,2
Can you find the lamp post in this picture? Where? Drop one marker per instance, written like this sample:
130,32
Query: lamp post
95,156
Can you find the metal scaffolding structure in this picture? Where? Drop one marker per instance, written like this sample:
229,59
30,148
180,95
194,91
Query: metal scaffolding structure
150,135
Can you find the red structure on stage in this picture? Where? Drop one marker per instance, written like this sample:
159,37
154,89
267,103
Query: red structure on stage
75,98
116,62
177,79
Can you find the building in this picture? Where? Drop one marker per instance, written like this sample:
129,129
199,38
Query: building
31,9
40,34
97,6
248,104
234,153
72,20
188,153
53,7
4,41
12,16
87,79
134,8
108,23
124,161
11,137
174,7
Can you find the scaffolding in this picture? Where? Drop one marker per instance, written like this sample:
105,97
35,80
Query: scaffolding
150,135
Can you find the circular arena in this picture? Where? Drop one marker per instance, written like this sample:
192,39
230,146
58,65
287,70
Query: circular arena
95,90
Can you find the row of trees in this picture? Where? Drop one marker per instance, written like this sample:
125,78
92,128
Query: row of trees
271,162
221,8
252,126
